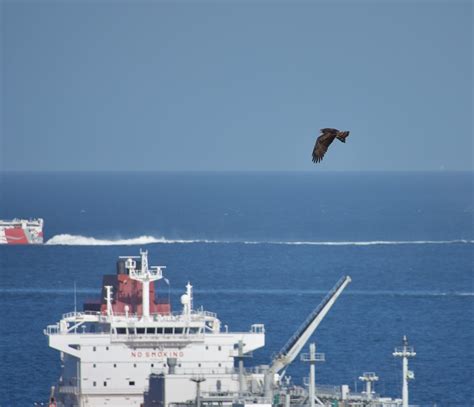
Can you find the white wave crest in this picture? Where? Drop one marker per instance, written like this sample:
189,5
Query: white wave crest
78,240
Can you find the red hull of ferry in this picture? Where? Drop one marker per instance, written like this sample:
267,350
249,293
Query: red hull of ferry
16,236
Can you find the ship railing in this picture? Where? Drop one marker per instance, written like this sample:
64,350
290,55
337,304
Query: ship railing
385,402
200,371
325,390
328,390
224,395
362,396
318,357
404,349
257,400
139,337
120,317
212,370
79,314
69,390
220,398
204,313
195,315
144,338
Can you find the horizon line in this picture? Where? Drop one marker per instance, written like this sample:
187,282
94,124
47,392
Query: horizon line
24,171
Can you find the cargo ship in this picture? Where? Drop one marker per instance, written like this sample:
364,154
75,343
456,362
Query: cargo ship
21,231
128,348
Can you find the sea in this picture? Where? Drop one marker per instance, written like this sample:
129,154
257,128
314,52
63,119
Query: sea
257,248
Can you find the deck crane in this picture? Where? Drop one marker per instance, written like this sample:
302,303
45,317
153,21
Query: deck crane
294,345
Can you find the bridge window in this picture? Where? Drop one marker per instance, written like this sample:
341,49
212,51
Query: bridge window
168,331
178,330
257,328
131,383
121,331
159,330
140,330
150,331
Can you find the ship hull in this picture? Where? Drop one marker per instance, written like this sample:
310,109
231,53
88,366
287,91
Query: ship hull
21,232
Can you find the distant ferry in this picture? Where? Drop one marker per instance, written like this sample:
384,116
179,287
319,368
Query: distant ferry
21,231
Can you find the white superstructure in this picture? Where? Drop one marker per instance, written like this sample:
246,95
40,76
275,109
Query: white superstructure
108,356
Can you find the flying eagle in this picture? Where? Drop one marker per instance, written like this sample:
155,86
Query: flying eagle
324,141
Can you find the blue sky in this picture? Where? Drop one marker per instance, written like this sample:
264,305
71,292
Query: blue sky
236,85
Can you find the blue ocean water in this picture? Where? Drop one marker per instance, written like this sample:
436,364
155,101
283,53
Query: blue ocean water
258,248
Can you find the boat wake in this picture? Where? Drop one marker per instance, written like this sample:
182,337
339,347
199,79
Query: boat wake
78,240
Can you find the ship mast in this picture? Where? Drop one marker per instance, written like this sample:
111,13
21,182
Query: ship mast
405,352
368,378
312,357
145,275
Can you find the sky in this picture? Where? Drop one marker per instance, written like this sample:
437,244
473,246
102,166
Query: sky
235,85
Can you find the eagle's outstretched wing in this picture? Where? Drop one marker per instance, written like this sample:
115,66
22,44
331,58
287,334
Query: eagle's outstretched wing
322,143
